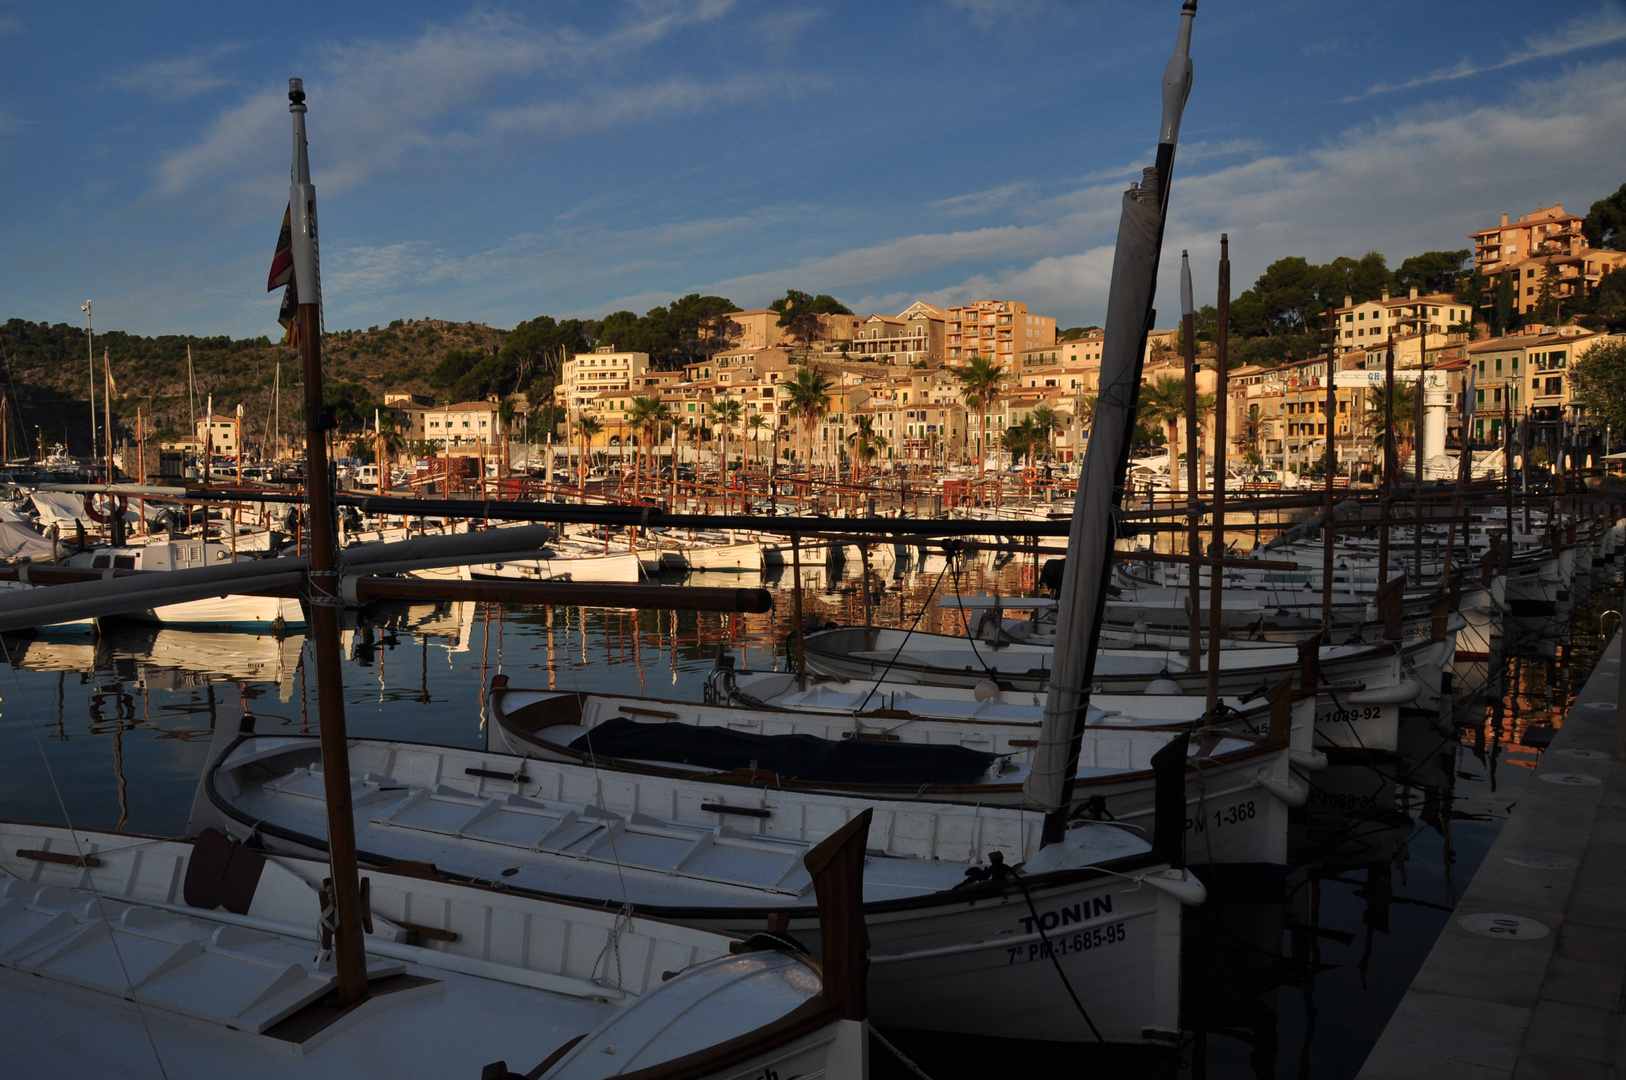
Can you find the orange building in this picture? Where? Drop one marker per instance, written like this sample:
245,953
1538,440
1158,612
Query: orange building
1002,329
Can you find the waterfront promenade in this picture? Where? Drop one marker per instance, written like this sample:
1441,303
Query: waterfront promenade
1526,979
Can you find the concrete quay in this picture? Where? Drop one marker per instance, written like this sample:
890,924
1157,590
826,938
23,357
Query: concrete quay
1526,979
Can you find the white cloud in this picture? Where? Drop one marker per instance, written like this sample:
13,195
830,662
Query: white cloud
1605,26
382,104
179,78
1419,182
628,105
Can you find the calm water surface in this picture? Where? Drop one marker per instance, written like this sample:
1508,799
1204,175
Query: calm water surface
1294,978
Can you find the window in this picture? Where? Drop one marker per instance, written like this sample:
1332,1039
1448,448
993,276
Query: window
1554,385
1479,397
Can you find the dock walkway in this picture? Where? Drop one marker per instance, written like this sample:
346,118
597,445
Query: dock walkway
1526,979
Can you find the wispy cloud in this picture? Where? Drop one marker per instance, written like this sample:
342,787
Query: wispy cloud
631,104
1374,187
981,202
1605,26
990,12
386,103
179,78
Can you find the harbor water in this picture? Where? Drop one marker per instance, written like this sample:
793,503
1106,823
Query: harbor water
1291,976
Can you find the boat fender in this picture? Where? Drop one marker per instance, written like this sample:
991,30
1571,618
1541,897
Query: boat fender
769,941
1180,884
1400,693
1287,791
1313,760
347,590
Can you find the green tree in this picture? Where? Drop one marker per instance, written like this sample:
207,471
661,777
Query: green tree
725,415
1605,224
587,426
1503,311
1045,424
1404,418
809,393
1432,271
1018,440
866,442
1163,402
650,417
799,312
1253,430
1600,382
1546,309
980,379
755,425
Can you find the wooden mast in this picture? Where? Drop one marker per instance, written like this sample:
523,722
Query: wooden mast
350,959
1194,509
1390,458
1328,533
1216,572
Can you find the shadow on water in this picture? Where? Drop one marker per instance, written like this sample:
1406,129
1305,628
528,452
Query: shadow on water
1290,976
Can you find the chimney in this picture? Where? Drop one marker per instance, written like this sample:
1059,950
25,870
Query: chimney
1414,292
1386,294
1349,301
1504,218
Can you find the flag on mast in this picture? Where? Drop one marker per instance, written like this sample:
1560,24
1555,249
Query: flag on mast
282,274
282,262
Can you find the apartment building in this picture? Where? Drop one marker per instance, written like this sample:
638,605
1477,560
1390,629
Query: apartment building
586,375
914,336
1527,371
1362,325
466,424
1544,249
1002,329
1548,228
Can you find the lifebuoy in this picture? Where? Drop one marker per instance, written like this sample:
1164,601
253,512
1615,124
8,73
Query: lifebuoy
120,505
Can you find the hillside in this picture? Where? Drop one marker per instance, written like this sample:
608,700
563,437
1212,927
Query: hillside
46,374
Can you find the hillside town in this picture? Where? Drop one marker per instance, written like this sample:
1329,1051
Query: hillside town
992,383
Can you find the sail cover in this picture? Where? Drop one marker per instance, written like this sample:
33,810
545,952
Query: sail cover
792,757
1090,538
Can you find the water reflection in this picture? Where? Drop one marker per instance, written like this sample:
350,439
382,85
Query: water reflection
1291,976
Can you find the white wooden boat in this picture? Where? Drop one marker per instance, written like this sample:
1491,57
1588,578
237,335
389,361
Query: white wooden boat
1246,781
865,652
567,563
705,854
117,949
235,611
884,707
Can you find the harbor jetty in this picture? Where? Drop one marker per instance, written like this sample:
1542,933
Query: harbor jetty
1526,978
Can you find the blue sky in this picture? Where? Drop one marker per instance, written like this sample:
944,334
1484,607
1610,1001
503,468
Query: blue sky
499,161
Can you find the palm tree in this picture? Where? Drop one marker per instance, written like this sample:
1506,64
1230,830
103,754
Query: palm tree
1046,423
1021,439
725,413
1404,419
755,424
865,442
1253,428
1164,402
650,416
586,428
979,388
809,401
